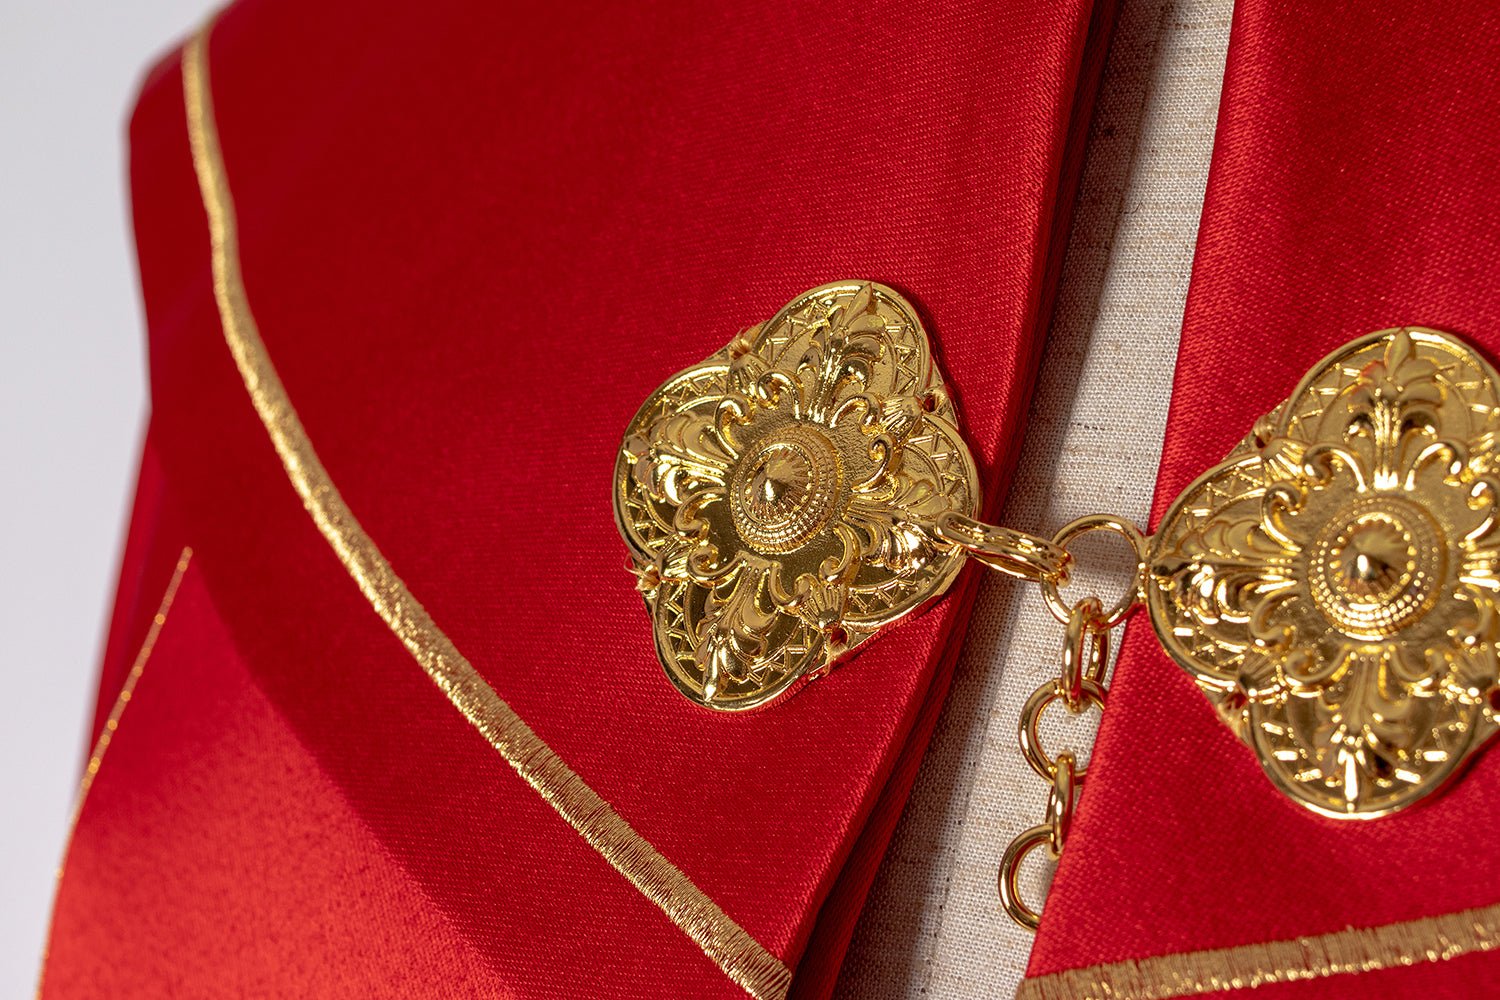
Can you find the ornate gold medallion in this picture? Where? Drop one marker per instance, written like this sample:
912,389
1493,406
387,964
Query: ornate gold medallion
1331,585
780,500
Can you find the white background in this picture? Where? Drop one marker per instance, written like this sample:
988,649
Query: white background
72,407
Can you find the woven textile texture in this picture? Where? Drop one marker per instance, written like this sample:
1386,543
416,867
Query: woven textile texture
934,926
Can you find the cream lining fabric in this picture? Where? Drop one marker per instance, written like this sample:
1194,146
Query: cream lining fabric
933,925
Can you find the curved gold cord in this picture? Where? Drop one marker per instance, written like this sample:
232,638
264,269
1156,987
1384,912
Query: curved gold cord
730,947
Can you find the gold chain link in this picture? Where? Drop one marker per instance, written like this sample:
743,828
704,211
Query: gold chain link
1013,553
1079,686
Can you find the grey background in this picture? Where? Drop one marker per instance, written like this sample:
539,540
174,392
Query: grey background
72,407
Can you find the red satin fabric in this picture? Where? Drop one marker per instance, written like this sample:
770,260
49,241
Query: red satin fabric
475,238
257,877
1355,186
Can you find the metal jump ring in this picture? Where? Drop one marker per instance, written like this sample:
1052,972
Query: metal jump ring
1010,870
1060,802
1085,651
1031,716
1051,590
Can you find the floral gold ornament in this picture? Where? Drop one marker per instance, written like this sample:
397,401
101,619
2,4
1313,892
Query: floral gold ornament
1330,586
780,500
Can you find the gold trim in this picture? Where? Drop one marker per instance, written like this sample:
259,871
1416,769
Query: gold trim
1354,950
741,957
127,689
111,724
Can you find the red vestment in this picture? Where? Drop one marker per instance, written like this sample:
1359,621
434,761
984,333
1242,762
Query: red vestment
474,239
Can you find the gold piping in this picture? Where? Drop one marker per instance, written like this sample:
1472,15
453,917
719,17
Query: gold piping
1353,950
127,689
741,957
112,723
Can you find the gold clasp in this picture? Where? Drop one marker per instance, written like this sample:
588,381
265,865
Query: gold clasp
1331,586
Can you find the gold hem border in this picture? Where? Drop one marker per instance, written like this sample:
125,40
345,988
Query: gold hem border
111,724
739,955
1353,950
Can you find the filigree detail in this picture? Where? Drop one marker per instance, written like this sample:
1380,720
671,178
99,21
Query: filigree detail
1332,584
779,499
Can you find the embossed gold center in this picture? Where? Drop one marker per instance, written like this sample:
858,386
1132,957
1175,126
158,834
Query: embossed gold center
1375,568
783,491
